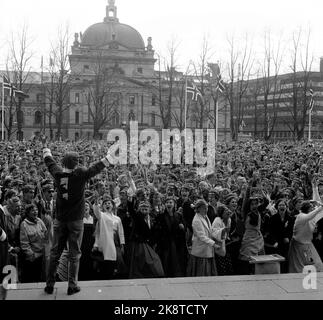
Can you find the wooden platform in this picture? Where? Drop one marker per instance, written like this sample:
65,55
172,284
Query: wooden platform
256,287
267,264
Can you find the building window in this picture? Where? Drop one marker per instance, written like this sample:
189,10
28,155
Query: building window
77,97
153,120
20,117
86,68
132,100
139,70
115,119
39,97
153,100
77,117
38,117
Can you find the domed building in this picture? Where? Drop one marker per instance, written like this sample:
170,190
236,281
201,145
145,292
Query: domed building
112,81
110,61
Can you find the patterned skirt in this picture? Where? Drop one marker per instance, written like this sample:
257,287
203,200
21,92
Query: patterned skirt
144,262
201,267
301,255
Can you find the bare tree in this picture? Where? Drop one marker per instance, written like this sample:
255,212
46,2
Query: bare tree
101,96
167,87
50,96
239,70
299,100
18,71
59,70
201,73
252,100
178,113
270,88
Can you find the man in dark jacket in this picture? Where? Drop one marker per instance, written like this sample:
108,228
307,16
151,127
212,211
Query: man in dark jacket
70,203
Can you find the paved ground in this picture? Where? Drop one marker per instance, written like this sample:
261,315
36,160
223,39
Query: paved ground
257,287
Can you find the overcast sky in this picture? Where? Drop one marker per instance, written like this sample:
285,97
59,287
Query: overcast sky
188,21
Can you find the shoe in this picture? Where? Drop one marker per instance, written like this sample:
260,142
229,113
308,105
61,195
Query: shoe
74,290
49,289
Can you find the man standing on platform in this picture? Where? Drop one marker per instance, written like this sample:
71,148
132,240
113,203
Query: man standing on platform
70,203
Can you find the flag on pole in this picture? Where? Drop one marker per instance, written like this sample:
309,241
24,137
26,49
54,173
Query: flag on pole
195,92
13,91
221,85
311,105
7,85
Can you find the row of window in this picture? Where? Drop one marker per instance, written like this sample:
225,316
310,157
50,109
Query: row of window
86,68
132,99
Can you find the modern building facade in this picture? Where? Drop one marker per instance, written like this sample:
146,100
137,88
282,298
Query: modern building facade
281,112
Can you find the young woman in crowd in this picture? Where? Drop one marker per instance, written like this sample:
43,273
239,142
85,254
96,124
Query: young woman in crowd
202,261
109,239
302,251
280,232
235,235
86,272
157,206
170,239
252,242
144,261
33,236
222,223
213,198
186,203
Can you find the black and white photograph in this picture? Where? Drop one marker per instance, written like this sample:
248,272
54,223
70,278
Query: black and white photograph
161,151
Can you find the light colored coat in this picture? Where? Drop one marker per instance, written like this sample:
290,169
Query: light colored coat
202,243
33,237
104,235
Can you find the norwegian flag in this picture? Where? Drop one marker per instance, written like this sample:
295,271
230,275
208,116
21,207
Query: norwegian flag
311,105
221,85
7,85
195,92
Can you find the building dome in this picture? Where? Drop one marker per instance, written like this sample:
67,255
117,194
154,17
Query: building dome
102,34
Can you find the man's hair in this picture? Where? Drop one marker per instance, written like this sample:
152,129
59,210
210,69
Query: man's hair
306,206
10,194
70,160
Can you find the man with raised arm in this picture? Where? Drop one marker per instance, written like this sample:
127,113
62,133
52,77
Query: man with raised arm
70,181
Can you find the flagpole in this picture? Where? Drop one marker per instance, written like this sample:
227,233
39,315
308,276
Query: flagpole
2,111
309,124
185,125
217,119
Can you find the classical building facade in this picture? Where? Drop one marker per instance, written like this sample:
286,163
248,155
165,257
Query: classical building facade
112,80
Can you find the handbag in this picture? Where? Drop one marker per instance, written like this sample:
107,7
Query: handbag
221,250
97,255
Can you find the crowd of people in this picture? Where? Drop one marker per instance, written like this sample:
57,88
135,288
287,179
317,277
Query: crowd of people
161,220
